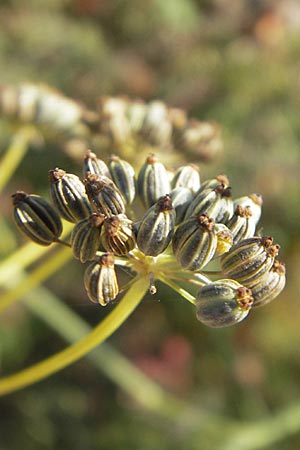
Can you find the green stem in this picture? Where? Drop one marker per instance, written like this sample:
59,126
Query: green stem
26,255
266,432
176,288
37,276
115,366
15,153
62,359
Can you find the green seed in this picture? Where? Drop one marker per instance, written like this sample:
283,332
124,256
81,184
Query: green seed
242,225
104,195
223,303
216,203
270,286
249,260
36,218
187,177
215,182
68,195
100,280
195,242
118,235
181,199
123,176
85,238
92,164
153,181
157,227
254,202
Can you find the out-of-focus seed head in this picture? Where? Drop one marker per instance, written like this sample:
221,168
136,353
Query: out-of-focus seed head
195,242
270,285
113,120
104,195
157,227
224,239
135,112
254,202
200,139
223,303
68,195
249,260
157,128
181,199
153,181
242,224
85,238
36,218
187,177
118,235
92,164
123,176
215,202
100,280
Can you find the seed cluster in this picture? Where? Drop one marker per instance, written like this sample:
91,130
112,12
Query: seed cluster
115,121
186,225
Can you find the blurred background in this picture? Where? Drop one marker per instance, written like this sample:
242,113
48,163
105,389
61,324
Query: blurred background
233,62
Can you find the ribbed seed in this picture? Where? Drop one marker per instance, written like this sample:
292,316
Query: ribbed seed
223,303
224,239
36,218
187,177
195,242
100,280
181,199
242,225
157,227
68,195
92,164
216,203
254,202
118,235
270,286
212,183
249,260
85,238
153,181
122,174
104,195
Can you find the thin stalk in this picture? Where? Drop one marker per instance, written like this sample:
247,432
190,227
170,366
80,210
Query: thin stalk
186,280
15,153
265,432
72,353
116,367
26,255
37,276
176,288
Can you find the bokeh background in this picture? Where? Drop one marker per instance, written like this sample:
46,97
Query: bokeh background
234,62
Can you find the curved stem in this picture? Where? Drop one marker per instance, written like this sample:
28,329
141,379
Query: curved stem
62,359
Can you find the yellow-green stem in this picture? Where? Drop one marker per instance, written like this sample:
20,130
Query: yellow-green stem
15,153
177,288
62,359
37,276
26,255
